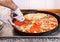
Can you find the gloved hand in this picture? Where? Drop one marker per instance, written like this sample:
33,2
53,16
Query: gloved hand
19,14
10,4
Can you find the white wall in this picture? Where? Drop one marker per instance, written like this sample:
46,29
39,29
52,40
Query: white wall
57,3
41,4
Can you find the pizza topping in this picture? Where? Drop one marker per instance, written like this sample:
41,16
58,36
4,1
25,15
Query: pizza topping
37,23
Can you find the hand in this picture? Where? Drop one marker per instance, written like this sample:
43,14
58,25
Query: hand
9,4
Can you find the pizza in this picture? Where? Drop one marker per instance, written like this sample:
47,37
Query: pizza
37,23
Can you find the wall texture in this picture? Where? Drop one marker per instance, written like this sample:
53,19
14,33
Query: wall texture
41,4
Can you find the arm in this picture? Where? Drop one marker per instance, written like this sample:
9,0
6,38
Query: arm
9,4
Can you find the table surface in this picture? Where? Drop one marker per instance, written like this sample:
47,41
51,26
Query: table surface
50,10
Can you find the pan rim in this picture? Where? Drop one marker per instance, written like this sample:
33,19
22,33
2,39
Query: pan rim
46,12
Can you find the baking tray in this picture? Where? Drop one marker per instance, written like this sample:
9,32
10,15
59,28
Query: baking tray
37,34
8,31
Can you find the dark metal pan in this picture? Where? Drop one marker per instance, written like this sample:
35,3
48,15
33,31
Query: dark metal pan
37,34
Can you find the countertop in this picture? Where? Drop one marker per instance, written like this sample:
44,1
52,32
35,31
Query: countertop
50,10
